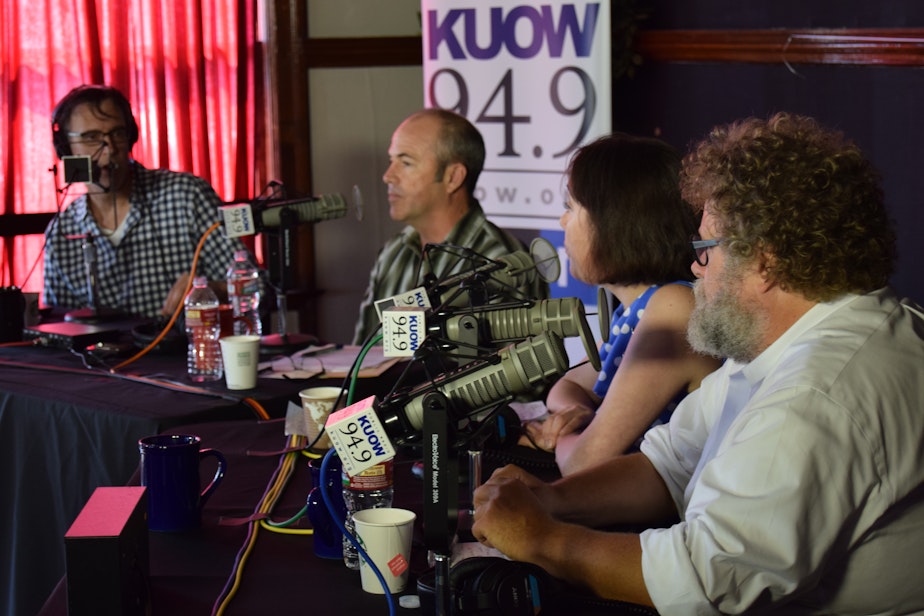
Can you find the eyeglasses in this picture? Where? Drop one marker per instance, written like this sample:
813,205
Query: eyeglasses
701,248
287,365
97,137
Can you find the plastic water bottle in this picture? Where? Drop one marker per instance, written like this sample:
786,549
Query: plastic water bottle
245,289
203,361
371,489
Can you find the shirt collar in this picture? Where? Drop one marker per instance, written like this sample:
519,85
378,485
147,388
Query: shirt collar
758,368
412,237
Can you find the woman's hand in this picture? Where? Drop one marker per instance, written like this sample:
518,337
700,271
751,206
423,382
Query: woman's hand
545,434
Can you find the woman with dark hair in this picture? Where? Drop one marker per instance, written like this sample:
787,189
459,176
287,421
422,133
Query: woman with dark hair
628,230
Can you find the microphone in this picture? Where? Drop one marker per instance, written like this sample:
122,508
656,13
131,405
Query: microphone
481,384
247,219
97,170
502,275
313,209
489,325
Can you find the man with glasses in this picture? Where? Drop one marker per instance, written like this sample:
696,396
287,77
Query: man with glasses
792,480
142,225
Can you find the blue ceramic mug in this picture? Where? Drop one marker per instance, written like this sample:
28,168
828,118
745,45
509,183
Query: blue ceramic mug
170,472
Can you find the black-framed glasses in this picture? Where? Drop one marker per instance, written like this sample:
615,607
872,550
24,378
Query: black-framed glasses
97,137
701,248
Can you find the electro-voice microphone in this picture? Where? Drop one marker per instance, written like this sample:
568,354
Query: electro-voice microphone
490,325
314,209
481,384
247,218
97,171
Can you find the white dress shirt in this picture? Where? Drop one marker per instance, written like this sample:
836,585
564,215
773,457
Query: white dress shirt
802,493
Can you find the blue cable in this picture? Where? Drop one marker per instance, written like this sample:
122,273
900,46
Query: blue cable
328,502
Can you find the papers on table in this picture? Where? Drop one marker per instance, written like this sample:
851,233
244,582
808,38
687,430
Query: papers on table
326,361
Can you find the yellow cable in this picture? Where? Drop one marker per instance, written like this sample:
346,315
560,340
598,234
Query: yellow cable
286,531
274,491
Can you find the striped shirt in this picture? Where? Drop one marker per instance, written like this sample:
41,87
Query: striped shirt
170,211
401,267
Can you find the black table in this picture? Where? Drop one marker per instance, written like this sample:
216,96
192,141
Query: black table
282,574
65,429
188,571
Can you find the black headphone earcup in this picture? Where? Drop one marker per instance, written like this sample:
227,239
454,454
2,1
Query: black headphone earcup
508,587
489,585
461,574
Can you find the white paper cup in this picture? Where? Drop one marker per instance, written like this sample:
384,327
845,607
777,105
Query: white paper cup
386,535
318,403
240,356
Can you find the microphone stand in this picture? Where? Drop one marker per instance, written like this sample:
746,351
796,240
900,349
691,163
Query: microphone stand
284,342
93,312
440,507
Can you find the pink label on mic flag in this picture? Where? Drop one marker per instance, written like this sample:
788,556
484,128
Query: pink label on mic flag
397,565
359,437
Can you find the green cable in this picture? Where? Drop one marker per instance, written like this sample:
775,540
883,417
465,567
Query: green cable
291,520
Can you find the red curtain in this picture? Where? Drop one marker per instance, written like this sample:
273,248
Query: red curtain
192,69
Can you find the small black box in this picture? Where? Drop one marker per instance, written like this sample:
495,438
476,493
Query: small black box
107,555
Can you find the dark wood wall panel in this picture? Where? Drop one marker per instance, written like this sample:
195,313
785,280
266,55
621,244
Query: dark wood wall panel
860,47
890,47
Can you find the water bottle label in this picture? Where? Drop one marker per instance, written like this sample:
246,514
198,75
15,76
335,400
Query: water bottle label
245,286
378,477
206,317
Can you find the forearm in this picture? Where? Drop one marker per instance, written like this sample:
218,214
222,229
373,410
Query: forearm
623,490
608,564
568,392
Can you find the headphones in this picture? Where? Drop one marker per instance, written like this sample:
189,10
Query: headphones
489,585
95,95
504,429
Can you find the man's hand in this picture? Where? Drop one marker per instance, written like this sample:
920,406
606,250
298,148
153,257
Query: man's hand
176,296
510,515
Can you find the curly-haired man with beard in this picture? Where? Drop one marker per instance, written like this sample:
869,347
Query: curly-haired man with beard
792,480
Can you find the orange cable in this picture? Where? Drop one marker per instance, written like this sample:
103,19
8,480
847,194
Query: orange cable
256,406
176,313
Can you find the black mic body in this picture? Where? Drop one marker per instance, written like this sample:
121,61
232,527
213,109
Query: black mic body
502,276
480,385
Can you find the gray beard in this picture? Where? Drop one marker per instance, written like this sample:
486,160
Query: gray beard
723,326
